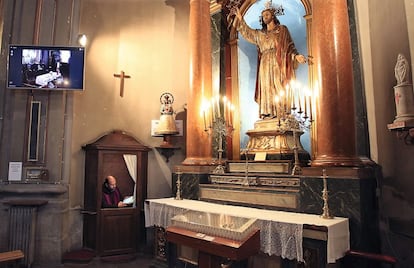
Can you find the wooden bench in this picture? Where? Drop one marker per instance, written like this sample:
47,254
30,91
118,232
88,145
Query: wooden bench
11,257
372,257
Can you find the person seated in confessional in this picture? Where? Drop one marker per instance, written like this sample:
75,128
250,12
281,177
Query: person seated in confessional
111,195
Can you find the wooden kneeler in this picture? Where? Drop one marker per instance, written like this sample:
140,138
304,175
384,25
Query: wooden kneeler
11,257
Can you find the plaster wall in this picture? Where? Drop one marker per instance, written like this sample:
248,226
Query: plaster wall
386,30
409,12
148,40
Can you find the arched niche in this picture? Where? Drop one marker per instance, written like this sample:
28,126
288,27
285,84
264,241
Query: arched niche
238,98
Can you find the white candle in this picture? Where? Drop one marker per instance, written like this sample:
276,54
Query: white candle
306,110
288,97
231,115
310,108
213,112
225,108
204,118
218,106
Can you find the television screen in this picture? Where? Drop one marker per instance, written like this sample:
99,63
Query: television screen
45,67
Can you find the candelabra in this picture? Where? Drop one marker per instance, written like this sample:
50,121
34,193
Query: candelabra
178,184
220,129
218,123
291,124
326,213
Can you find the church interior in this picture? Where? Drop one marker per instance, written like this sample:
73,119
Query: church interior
162,96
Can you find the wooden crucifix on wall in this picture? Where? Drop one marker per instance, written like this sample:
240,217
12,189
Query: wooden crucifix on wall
121,76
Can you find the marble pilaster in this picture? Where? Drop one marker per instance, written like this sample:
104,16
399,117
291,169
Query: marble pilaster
335,124
198,143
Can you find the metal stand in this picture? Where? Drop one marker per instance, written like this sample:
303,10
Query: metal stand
296,170
326,213
220,168
222,129
178,183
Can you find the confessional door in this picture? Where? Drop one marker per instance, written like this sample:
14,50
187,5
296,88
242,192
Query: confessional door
118,230
112,231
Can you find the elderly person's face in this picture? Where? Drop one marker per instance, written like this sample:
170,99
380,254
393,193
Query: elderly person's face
111,182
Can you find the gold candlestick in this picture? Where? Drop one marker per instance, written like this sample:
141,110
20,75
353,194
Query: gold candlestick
296,170
178,183
326,213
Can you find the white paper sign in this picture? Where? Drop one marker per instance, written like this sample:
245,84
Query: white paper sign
260,156
15,171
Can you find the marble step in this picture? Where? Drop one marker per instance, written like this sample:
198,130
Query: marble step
260,197
269,166
254,180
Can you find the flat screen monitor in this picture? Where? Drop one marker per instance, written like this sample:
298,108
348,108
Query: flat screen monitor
45,67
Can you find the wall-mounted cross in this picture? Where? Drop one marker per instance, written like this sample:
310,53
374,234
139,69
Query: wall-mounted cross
122,76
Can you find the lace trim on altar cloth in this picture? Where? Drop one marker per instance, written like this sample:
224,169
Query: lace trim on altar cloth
282,239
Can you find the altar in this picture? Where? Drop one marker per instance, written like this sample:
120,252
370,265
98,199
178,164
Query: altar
281,233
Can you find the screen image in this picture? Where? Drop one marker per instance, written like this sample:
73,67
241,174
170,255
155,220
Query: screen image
48,68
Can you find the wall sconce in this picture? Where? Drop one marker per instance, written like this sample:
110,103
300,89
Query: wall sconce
82,40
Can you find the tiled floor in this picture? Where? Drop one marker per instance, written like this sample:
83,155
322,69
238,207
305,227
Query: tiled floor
138,262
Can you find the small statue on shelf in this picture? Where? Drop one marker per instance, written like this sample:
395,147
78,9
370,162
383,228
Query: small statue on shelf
403,93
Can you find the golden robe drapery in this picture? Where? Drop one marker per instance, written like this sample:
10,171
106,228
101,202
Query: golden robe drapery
276,64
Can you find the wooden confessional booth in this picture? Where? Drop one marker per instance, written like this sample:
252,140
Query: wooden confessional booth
113,231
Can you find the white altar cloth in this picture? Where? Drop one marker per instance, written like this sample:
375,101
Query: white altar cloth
280,231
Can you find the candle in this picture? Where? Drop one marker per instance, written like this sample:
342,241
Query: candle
218,106
276,105
225,108
213,112
293,92
306,98
231,115
204,118
310,108
288,98
207,114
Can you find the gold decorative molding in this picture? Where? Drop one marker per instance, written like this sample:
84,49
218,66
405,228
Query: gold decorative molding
262,198
214,7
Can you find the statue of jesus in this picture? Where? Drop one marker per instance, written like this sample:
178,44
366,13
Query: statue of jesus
278,58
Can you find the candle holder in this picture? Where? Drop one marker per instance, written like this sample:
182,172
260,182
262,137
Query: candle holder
220,129
217,117
178,184
297,169
246,167
326,213
294,124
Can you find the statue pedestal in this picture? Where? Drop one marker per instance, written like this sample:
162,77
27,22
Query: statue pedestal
404,103
271,137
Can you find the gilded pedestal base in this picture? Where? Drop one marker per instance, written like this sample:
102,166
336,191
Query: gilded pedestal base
272,138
